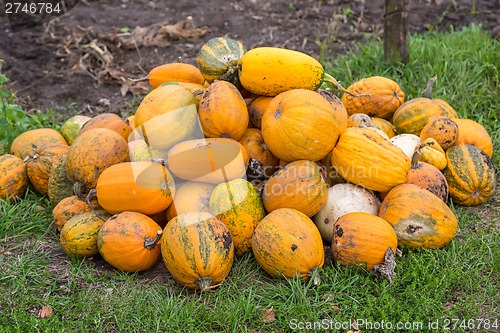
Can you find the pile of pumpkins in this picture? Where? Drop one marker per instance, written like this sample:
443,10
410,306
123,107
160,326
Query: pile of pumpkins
246,152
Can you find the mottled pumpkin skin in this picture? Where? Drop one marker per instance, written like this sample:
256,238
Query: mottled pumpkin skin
40,163
431,152
190,197
72,206
473,133
385,126
92,153
470,174
443,129
257,108
286,243
362,239
420,218
364,157
110,121
301,124
59,185
385,96
139,150
269,71
218,57
223,111
414,114
211,160
360,120
238,204
429,177
144,187
257,149
129,241
72,127
175,72
22,145
298,185
13,178
197,249
79,235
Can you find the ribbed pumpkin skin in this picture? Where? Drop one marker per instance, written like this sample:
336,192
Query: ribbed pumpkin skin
443,129
385,126
40,163
223,111
362,239
175,72
218,56
129,241
190,197
72,126
364,157
470,174
414,114
286,243
298,185
22,145
69,207
301,125
197,249
144,187
211,160
270,71
257,149
59,185
419,218
428,177
110,121
79,235
92,153
473,133
238,204
257,108
13,178
385,97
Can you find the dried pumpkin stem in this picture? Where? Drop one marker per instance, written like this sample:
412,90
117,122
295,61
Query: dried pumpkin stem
430,85
204,282
414,158
327,78
314,274
150,243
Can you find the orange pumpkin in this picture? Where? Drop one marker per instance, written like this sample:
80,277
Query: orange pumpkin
23,144
71,206
385,126
443,129
257,149
291,249
301,124
190,197
473,133
256,110
175,72
130,241
299,185
211,160
362,239
338,107
13,178
197,249
223,111
92,153
427,176
110,121
144,187
375,96
420,218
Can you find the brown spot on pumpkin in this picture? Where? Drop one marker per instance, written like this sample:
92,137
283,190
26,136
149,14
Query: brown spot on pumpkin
294,247
395,94
277,113
412,229
326,220
227,240
339,232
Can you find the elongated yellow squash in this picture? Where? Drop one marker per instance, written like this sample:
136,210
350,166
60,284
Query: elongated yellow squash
269,71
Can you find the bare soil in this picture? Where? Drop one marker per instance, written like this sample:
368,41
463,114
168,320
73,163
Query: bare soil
82,61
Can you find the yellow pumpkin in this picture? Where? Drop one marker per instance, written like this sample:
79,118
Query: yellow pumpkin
431,152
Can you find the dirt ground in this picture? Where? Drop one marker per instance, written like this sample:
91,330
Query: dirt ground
82,61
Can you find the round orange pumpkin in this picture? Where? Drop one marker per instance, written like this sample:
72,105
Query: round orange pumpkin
13,178
175,72
427,176
40,163
287,244
300,124
223,111
23,144
257,149
420,218
144,187
443,129
71,206
197,249
299,185
362,239
130,241
257,108
110,121
190,197
473,133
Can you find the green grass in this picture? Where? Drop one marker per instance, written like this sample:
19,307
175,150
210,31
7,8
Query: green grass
460,281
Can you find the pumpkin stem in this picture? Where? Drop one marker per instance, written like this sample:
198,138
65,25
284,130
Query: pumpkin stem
314,274
90,196
79,189
430,85
327,78
204,282
150,243
414,158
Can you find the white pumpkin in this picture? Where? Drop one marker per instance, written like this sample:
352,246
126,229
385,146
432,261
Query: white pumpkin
343,199
406,142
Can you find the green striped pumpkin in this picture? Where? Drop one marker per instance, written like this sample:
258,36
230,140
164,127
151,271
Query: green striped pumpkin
219,58
13,178
79,235
470,175
59,186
